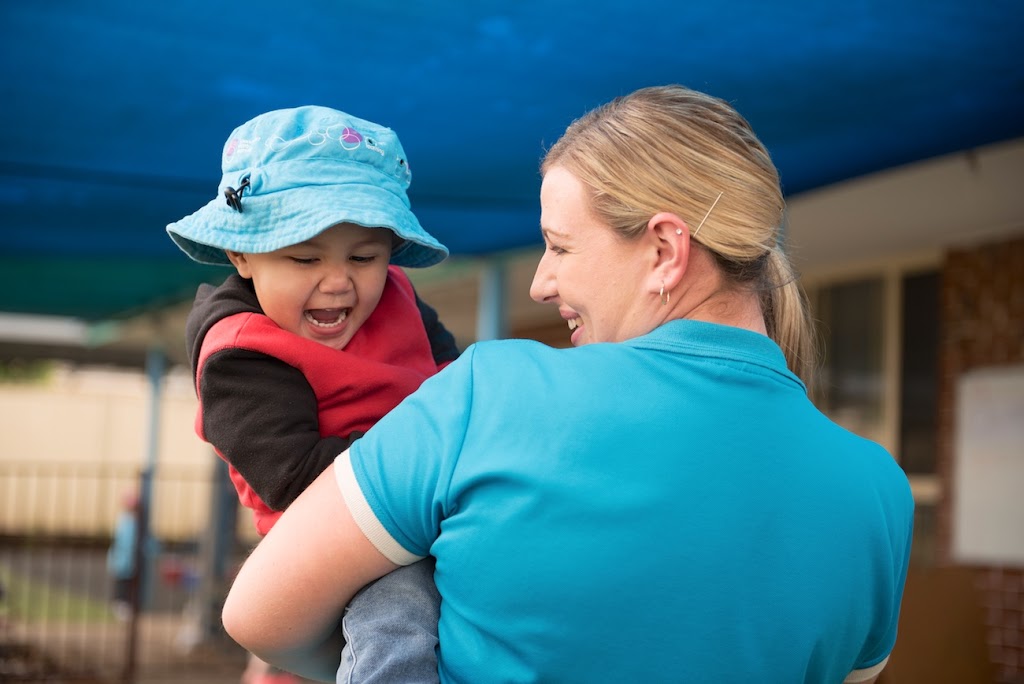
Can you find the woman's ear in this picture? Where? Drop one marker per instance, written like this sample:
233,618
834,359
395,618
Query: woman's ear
240,263
670,238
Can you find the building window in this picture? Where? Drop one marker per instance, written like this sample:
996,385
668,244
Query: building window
879,377
919,376
850,387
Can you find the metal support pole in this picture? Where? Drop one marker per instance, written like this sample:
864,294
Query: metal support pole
156,367
491,323
156,363
216,548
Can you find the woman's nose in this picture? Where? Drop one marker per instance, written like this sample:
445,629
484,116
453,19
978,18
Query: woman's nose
542,289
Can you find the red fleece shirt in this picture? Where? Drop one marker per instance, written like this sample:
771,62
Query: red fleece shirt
240,368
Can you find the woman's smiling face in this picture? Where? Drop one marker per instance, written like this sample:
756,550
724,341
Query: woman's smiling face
592,275
325,288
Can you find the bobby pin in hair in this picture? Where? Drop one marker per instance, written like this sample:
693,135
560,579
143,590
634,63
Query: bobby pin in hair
706,216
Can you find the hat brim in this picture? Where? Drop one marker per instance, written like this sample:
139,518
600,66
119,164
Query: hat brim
275,220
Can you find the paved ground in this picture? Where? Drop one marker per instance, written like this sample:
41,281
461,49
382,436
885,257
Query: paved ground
168,647
87,655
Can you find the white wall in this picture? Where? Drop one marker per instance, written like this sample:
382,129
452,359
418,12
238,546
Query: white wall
72,445
969,198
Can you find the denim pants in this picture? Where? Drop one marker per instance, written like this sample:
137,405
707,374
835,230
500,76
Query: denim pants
390,629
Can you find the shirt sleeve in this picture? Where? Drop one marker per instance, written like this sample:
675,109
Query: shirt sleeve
899,505
867,673
364,516
400,473
261,415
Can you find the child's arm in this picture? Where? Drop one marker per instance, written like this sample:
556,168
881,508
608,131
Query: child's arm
257,411
261,415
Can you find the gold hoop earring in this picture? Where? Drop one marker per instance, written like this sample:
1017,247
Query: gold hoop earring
665,296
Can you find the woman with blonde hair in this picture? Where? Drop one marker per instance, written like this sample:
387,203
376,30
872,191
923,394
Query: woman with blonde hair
660,503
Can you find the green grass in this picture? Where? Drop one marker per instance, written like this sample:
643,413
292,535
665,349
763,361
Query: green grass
29,601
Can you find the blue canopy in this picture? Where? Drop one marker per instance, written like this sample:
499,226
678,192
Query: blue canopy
115,112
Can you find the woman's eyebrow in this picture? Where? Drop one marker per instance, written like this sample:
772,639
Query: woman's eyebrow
549,232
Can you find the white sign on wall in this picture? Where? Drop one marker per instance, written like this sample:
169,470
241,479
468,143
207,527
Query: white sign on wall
988,467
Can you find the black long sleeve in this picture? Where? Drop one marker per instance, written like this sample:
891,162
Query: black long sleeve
261,414
442,342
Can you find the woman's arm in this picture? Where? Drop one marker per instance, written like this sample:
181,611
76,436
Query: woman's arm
286,604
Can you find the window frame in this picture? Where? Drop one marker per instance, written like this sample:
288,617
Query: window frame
927,488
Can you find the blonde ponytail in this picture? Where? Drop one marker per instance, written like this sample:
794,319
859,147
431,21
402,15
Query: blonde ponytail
787,317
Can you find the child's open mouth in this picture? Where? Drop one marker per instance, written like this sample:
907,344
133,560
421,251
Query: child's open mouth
326,318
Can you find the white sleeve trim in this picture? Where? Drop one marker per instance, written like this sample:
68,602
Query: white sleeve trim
364,516
867,673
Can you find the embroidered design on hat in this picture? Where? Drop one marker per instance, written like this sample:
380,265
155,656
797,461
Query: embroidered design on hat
350,138
240,145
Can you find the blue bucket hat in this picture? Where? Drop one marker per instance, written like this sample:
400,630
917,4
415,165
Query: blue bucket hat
291,174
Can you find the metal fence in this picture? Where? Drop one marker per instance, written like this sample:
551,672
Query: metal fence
58,618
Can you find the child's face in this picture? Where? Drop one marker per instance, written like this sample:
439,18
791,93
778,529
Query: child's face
325,288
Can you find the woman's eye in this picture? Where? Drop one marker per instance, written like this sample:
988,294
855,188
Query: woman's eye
556,249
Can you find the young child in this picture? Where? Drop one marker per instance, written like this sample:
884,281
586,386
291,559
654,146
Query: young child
121,556
317,335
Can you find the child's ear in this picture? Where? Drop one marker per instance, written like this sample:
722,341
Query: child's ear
240,262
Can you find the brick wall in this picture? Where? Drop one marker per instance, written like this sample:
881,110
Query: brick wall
983,326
